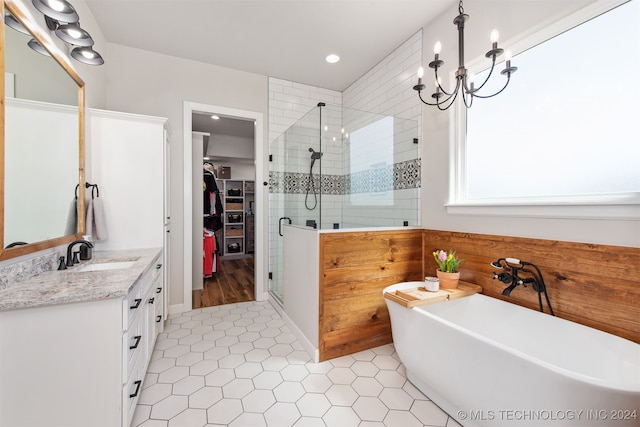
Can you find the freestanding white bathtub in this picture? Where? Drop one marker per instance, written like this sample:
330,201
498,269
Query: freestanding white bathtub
487,362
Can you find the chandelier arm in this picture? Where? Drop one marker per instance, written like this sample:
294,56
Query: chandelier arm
468,99
425,102
493,64
498,92
449,100
442,89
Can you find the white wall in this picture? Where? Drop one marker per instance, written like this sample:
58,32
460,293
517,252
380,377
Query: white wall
514,20
148,83
221,145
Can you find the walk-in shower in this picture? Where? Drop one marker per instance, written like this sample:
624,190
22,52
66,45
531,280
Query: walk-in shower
342,168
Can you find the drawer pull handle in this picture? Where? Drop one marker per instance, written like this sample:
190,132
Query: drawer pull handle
135,393
158,266
137,304
151,300
158,319
137,338
158,290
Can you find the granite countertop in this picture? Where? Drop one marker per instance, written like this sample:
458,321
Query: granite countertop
70,285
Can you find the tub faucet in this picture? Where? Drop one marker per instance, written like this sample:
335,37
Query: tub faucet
70,248
510,274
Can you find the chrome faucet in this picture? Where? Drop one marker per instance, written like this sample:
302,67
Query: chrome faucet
70,260
510,274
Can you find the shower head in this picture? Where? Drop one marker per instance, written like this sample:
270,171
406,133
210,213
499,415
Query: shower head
315,155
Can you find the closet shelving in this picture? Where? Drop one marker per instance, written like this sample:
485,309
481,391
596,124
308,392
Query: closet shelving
238,197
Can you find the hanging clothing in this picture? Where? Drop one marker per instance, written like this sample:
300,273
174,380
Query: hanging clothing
209,264
212,201
211,197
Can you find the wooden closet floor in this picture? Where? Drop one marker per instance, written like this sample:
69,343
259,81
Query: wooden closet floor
233,283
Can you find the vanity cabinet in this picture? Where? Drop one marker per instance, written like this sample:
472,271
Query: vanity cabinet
83,363
129,159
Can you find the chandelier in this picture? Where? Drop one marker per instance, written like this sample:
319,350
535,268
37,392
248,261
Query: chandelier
464,79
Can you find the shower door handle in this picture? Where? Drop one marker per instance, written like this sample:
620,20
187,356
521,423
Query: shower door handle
280,224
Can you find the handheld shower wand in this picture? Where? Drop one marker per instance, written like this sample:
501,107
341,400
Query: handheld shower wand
315,155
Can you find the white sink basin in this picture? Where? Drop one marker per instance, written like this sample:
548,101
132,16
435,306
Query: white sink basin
104,266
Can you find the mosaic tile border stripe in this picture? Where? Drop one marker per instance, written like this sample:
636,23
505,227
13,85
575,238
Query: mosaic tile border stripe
399,176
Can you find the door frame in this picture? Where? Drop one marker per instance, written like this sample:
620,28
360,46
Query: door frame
261,254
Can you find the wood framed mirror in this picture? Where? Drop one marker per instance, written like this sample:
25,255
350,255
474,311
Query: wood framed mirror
41,140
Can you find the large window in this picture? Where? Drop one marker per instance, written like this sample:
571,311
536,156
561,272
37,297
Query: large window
567,127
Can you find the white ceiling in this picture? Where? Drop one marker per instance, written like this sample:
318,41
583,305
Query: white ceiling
286,39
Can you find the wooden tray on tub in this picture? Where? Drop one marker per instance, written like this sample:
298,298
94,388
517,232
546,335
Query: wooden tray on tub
419,296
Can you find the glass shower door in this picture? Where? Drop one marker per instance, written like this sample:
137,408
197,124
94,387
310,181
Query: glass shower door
294,188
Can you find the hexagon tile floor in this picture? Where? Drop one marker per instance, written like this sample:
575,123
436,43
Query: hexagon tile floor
239,365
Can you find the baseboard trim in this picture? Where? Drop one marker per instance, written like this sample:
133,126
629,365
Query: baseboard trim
308,347
176,309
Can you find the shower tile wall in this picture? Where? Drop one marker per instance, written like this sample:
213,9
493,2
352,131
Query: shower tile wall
386,88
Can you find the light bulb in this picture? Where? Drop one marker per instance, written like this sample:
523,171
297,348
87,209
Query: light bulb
420,72
507,55
332,59
74,33
58,6
471,78
437,48
495,35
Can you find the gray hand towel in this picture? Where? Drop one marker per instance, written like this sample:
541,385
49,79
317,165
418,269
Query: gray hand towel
96,225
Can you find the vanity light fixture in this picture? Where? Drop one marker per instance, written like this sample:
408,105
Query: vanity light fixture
87,55
60,10
61,17
33,44
74,35
464,79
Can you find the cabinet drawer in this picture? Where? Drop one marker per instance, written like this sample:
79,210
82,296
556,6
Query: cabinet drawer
157,269
133,343
131,392
131,306
159,314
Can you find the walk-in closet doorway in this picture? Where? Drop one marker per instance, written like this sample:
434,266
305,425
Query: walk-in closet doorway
239,259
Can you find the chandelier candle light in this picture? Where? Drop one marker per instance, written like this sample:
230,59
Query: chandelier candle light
464,79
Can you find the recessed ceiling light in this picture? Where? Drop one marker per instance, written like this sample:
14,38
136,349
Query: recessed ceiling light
332,59
214,117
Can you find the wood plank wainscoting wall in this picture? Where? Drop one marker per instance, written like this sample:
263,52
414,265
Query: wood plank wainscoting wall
354,269
595,285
